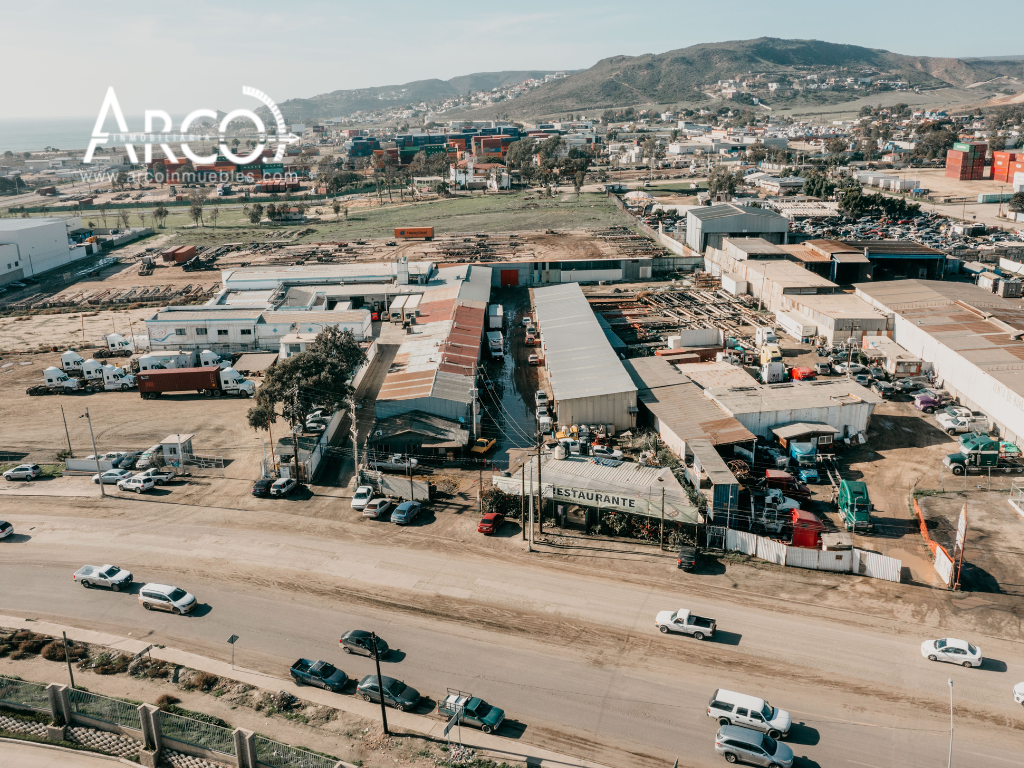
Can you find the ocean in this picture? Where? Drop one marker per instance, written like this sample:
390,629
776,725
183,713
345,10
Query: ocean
33,134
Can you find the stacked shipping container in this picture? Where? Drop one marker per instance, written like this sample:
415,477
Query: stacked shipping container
966,162
1006,164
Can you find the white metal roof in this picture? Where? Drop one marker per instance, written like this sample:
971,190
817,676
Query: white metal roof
578,356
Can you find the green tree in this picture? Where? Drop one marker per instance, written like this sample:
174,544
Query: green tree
496,500
757,152
722,180
256,214
1017,202
214,214
336,207
272,211
852,203
316,378
160,216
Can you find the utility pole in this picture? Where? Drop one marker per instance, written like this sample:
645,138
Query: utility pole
71,453
296,428
661,535
355,434
95,453
522,499
529,541
540,486
480,492
380,683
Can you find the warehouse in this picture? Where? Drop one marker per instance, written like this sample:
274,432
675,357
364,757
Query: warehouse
29,247
840,403
708,226
399,272
511,274
676,408
588,383
839,316
973,339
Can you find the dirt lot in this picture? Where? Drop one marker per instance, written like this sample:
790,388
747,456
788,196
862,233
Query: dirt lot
995,537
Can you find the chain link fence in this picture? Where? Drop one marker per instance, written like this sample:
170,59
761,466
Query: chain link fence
104,708
277,755
24,693
197,733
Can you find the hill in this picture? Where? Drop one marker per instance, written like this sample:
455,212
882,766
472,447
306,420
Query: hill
347,102
676,76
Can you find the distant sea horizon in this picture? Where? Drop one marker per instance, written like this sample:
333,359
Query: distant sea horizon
34,134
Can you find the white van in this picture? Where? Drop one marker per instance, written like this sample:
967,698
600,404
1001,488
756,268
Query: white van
545,424
731,708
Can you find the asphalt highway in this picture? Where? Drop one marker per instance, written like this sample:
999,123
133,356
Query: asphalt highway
574,660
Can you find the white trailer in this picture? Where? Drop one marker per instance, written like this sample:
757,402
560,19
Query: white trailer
495,317
796,325
411,310
397,309
496,345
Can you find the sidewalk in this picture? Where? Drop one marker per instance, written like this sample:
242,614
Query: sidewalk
22,754
497,746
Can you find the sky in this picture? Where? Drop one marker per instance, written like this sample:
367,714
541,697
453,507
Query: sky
188,55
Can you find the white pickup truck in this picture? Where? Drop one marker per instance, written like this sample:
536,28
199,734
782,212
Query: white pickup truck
684,622
959,424
103,576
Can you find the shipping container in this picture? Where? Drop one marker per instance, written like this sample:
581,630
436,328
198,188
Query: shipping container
427,233
184,253
155,382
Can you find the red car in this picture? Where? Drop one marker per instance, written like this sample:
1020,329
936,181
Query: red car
490,523
802,374
374,316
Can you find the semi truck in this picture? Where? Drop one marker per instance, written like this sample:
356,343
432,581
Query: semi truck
55,381
855,505
119,346
180,359
981,453
209,381
496,345
770,353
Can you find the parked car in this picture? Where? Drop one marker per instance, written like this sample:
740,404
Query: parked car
542,398
319,674
112,476
1018,693
128,461
877,374
910,383
164,597
6,529
533,359
490,523
822,369
362,497
744,745
23,472
732,708
861,378
952,650
605,452
261,487
687,557
883,389
360,641
848,368
406,512
283,486
483,445
159,475
103,576
137,483
377,508
395,693
475,711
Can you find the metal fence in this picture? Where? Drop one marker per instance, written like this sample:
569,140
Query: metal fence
197,733
277,755
104,708
24,693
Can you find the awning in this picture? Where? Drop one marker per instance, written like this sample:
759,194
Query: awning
255,362
803,429
851,258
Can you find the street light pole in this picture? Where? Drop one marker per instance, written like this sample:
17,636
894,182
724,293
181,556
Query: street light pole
95,453
949,761
380,683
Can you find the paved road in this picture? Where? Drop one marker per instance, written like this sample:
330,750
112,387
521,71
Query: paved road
574,657
24,755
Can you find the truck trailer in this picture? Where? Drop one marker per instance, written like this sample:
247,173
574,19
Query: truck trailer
210,381
415,233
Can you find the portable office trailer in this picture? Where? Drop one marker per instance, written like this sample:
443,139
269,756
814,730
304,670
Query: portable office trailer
411,309
796,325
397,308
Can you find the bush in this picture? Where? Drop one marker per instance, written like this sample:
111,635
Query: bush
167,700
202,681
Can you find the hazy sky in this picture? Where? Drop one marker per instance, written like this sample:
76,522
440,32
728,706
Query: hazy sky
60,57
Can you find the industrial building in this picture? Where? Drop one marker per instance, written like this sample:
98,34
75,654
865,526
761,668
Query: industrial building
30,247
512,274
229,329
838,316
588,382
434,371
973,339
708,226
837,402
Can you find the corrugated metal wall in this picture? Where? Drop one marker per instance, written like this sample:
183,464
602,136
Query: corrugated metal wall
601,409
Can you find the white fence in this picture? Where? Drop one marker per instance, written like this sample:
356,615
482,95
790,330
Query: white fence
856,561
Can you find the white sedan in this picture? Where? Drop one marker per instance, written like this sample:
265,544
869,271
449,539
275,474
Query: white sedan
112,476
363,495
1018,693
606,452
952,650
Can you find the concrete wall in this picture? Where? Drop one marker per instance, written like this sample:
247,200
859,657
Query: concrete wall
849,419
601,409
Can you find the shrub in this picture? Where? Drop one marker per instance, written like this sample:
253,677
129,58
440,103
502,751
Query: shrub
167,700
202,681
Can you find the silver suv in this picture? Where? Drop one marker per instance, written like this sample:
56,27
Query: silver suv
743,745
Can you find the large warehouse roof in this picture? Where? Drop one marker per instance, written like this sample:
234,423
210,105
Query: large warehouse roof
796,395
680,404
579,359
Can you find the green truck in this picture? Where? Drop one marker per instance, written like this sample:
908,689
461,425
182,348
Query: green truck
475,711
855,505
981,453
